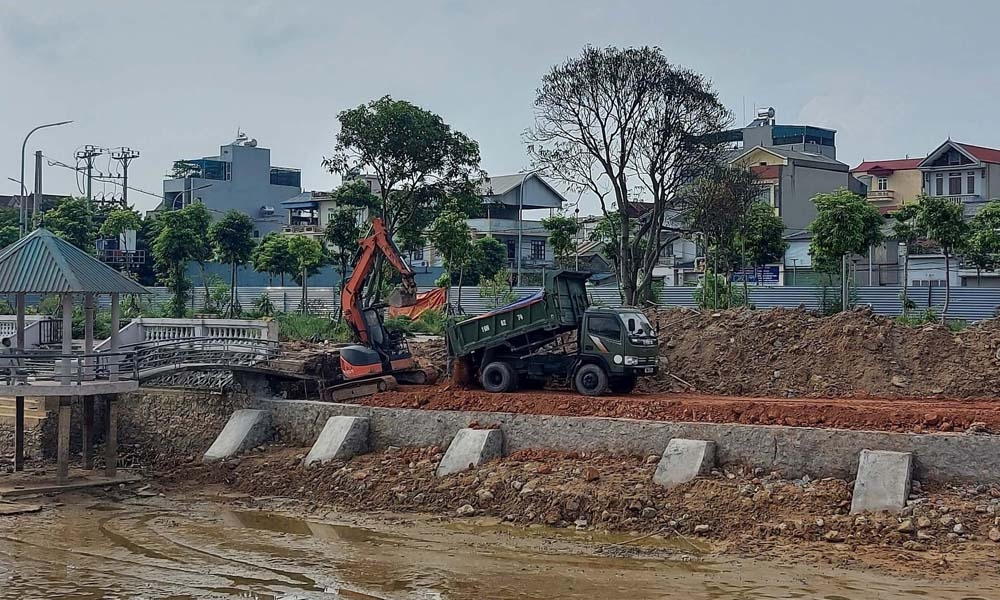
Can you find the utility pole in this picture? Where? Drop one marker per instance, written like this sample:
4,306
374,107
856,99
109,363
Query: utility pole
37,200
125,155
89,153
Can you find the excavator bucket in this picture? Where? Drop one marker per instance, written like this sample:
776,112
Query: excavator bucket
400,297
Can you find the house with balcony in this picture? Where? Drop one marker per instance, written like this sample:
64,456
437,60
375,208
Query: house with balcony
890,183
240,177
968,175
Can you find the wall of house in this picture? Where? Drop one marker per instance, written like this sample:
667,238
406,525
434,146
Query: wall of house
991,187
798,186
907,184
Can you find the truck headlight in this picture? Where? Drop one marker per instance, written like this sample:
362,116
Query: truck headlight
631,361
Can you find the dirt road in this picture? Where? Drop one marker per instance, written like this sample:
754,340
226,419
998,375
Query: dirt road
844,413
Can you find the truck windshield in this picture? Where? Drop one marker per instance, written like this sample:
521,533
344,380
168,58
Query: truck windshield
637,324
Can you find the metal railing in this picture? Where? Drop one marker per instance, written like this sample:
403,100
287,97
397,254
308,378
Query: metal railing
38,367
223,352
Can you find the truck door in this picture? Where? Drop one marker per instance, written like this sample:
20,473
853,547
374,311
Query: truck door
603,335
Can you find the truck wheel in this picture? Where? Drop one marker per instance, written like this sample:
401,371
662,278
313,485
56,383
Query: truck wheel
498,376
591,380
622,385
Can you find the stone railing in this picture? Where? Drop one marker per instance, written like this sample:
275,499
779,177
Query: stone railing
164,330
39,330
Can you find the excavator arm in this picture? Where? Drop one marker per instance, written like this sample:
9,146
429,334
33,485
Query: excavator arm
405,295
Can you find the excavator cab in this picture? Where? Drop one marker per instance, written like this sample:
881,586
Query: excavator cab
387,351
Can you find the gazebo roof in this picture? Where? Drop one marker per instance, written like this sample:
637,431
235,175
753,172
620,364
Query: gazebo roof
42,263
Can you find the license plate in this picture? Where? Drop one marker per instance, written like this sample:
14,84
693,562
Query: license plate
648,370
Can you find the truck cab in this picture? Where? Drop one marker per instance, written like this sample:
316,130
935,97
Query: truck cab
620,344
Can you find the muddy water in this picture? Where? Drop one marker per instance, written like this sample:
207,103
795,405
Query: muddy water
160,548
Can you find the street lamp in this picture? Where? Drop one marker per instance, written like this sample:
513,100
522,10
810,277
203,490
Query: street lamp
190,192
24,191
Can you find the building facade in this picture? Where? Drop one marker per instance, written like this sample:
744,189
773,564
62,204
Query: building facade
890,184
240,178
966,174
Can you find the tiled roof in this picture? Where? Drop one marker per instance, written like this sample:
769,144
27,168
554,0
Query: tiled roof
45,264
898,164
990,155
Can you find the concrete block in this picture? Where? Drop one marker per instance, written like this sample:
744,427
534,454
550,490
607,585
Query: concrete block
883,481
470,448
246,429
683,460
342,438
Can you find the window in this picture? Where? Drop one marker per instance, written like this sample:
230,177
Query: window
954,158
417,254
954,184
537,249
607,327
939,184
970,183
256,233
882,183
510,249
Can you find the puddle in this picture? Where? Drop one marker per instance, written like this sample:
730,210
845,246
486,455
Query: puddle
200,549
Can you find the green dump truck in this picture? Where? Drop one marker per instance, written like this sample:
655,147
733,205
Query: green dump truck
505,349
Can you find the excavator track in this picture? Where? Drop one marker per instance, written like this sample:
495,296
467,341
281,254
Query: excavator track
359,388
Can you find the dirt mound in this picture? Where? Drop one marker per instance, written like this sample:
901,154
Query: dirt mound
794,353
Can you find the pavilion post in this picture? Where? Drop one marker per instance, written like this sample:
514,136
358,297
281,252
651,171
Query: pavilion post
116,317
20,322
19,400
87,433
62,451
88,336
67,338
111,435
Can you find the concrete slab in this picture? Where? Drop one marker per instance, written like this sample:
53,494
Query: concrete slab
470,448
30,485
683,460
246,429
883,481
342,438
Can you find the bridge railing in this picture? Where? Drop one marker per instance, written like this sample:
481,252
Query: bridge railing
144,329
43,367
207,352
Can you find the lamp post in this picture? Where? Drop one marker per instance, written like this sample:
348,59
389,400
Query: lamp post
24,191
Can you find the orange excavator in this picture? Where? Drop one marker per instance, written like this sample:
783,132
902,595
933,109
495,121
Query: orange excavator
379,354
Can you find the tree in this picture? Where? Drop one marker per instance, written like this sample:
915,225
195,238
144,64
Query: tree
307,256
626,125
73,220
943,222
491,256
762,238
272,256
716,206
845,224
983,247
451,236
10,228
232,240
497,290
177,242
562,235
904,230
342,235
119,221
418,160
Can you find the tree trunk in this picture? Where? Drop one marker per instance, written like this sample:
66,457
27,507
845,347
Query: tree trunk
282,279
461,274
947,287
305,291
204,282
343,284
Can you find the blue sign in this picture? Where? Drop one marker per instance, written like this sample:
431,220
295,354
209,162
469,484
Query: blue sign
766,275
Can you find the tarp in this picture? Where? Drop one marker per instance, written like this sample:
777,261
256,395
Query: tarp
431,300
520,302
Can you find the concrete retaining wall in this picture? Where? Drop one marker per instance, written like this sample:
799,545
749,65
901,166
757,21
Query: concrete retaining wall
794,451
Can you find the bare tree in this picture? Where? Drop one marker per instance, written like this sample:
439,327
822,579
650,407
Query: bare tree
627,126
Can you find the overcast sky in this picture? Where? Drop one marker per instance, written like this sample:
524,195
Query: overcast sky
176,79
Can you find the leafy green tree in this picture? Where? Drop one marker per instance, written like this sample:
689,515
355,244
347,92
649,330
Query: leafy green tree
497,290
10,228
308,256
451,236
232,240
562,235
943,222
904,231
761,237
177,242
418,160
271,256
342,235
624,124
983,247
845,224
73,220
491,255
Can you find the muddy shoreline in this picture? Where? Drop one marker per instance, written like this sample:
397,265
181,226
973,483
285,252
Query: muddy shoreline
946,533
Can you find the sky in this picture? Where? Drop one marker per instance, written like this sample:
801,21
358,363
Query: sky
177,79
